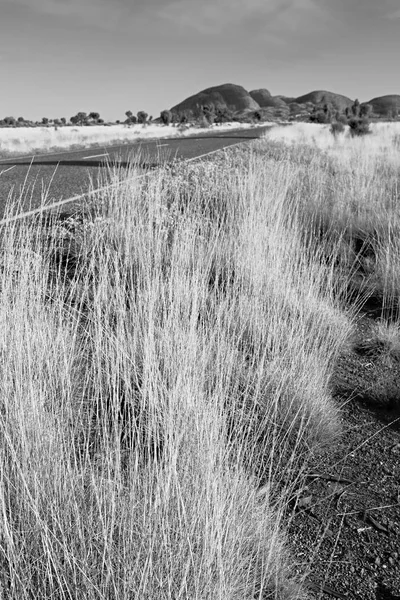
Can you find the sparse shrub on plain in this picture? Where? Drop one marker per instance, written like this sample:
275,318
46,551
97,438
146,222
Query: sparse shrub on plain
365,110
356,108
359,126
80,118
166,117
320,116
142,117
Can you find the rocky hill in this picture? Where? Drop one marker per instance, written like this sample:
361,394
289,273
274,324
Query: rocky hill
258,102
383,105
228,95
323,97
265,100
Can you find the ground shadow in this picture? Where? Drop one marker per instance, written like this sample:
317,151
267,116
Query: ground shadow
384,593
90,163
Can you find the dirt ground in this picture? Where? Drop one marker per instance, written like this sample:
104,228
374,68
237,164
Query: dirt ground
346,520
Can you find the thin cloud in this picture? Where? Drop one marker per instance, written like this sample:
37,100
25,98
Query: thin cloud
95,12
215,16
393,15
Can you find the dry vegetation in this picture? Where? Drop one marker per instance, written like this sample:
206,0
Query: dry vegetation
167,359
36,140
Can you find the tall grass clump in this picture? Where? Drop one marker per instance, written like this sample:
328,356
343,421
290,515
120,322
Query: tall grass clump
163,356
347,192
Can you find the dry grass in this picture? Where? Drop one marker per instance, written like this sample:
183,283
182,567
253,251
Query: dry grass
36,140
169,353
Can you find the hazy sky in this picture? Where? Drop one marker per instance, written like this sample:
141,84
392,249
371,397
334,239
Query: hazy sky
61,56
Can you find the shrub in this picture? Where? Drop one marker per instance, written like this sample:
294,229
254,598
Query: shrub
359,126
208,111
79,119
9,120
337,128
224,115
94,115
320,116
341,118
166,117
365,110
142,117
355,109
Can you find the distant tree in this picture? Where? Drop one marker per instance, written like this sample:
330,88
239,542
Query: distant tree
257,115
348,112
129,114
365,110
21,120
150,118
82,118
79,119
9,120
208,110
95,116
63,120
166,117
142,117
45,121
225,115
319,116
328,111
57,122
355,109
118,121
100,121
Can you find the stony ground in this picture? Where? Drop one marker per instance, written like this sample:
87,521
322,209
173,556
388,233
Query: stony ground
345,523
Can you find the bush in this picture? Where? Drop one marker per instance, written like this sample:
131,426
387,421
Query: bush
142,117
320,116
355,109
359,127
166,117
337,128
341,118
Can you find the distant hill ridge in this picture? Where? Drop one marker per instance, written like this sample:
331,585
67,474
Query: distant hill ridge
228,95
238,100
383,104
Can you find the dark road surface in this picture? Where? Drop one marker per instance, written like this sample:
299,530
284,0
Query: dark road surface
47,178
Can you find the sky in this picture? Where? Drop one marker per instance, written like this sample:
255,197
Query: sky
58,57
